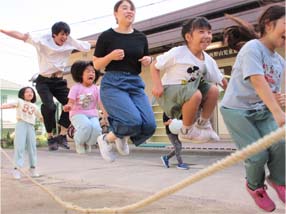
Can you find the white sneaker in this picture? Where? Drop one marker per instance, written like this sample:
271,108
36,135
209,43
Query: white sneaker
193,135
122,145
79,148
34,173
16,174
208,131
105,149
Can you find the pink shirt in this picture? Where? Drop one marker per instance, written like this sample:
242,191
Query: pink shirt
86,100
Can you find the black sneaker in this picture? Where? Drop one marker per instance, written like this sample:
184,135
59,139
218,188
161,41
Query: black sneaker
53,145
62,141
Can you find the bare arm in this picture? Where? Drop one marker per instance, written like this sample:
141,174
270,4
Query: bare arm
101,62
8,106
264,92
15,34
157,89
69,105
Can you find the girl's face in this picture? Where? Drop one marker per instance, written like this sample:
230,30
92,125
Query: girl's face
276,33
125,14
88,76
61,38
28,94
200,38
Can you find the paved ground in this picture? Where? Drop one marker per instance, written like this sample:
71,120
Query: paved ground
90,182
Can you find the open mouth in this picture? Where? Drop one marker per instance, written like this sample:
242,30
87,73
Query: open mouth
283,37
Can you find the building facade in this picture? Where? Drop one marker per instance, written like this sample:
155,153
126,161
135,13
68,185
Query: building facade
164,32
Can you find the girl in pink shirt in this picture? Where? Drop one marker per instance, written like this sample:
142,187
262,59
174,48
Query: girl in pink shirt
84,102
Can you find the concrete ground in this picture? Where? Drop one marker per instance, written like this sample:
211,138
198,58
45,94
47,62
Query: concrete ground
90,182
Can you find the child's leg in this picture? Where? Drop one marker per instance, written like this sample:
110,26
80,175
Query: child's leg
83,128
31,145
190,108
96,131
244,132
209,102
20,143
177,147
276,160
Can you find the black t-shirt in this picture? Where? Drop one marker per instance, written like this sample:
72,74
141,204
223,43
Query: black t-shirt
135,46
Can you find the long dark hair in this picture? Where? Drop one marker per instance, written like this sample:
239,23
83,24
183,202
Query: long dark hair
236,36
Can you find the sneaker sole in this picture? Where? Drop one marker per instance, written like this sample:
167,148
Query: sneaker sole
103,155
120,151
184,140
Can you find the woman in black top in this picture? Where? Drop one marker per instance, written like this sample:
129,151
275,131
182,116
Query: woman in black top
122,51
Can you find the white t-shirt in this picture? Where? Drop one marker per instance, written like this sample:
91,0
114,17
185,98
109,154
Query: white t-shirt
51,57
178,63
27,111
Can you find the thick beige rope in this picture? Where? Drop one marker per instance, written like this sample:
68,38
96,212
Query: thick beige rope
230,160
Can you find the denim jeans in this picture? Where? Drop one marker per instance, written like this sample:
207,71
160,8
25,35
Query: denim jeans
87,129
127,105
248,126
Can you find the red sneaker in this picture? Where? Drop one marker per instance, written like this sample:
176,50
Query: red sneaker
280,189
261,198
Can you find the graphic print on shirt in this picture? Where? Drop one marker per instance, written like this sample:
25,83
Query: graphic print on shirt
194,72
271,76
27,109
85,100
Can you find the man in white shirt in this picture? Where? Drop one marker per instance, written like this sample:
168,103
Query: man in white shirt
53,51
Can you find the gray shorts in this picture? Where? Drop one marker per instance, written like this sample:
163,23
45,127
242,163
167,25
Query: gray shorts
175,96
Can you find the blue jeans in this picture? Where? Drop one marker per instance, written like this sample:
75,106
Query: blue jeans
25,138
87,129
127,105
248,126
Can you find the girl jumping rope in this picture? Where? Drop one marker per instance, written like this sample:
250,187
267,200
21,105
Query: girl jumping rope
84,100
188,81
26,113
250,108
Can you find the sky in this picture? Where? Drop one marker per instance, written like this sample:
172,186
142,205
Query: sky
19,60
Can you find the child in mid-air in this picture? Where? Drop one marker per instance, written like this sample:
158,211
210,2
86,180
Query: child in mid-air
188,81
177,146
25,137
83,104
253,104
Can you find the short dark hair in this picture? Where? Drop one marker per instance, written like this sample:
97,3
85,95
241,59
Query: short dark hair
78,68
21,94
194,23
59,27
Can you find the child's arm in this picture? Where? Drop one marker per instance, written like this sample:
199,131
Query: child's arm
146,60
264,92
158,88
8,106
224,83
15,34
281,99
69,105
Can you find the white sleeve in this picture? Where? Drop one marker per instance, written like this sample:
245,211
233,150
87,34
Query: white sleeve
213,73
79,45
165,60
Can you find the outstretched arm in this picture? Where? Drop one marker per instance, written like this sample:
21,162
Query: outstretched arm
8,106
15,34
